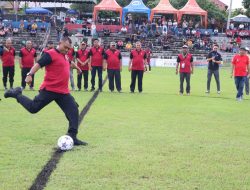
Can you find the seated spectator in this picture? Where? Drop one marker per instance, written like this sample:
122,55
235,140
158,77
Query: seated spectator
120,44
188,32
43,27
106,32
238,41
231,26
33,33
1,25
15,31
193,32
207,34
165,30
29,27
241,26
34,26
128,46
2,33
124,30
165,45
67,20
216,31
88,31
84,28
21,26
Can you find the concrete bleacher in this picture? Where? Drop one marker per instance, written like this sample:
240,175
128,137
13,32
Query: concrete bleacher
175,45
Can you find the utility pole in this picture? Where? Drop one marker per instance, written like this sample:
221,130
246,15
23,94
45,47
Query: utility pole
229,14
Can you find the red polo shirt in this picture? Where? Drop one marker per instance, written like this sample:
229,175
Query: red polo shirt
240,65
138,59
97,56
148,52
27,57
70,54
8,57
56,72
113,59
83,55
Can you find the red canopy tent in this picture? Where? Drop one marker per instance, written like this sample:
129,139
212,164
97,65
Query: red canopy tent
164,7
107,5
192,8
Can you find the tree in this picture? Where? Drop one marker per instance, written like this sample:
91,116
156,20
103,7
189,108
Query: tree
246,5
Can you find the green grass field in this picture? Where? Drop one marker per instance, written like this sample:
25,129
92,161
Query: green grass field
156,140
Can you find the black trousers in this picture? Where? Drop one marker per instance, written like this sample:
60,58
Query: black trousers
185,76
8,71
114,74
85,76
216,76
97,69
24,73
65,101
136,74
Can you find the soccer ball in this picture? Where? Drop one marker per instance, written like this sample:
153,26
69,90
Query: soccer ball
65,142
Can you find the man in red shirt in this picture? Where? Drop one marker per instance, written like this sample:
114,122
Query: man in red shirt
137,66
240,69
113,62
7,56
185,61
26,61
82,56
54,87
71,54
96,54
149,53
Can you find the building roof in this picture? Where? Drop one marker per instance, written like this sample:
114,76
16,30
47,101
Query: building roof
220,4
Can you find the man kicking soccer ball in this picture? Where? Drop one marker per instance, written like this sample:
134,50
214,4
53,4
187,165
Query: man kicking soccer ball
54,87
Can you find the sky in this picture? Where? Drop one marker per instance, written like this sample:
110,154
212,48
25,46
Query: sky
236,4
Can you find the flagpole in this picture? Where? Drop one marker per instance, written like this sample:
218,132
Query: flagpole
229,14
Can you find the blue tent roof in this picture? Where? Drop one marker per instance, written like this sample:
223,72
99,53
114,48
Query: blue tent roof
72,11
37,10
135,6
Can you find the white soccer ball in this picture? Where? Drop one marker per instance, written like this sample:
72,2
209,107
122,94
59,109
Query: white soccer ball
65,142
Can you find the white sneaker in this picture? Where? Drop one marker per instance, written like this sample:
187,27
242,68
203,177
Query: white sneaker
207,92
218,92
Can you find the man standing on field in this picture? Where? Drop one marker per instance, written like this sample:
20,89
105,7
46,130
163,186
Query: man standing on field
96,54
82,57
214,60
26,61
240,70
7,56
185,61
137,66
113,62
54,87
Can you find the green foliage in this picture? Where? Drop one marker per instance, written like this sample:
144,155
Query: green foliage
246,4
238,11
83,7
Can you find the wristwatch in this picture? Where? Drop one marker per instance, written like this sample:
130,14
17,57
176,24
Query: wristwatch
29,74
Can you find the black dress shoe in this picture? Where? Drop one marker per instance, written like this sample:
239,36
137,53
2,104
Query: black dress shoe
13,93
78,142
